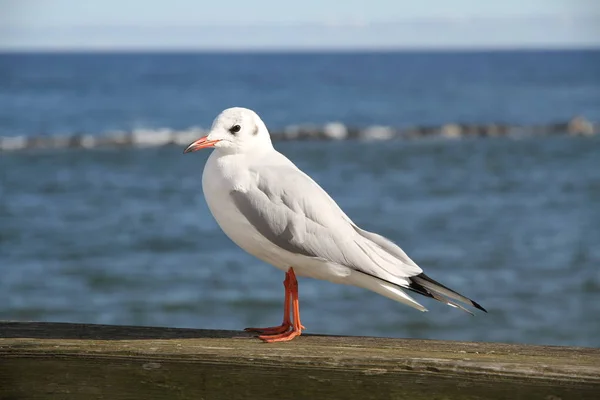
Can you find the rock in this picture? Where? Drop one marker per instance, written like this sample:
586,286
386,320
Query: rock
290,132
74,141
558,128
59,141
39,142
495,130
580,126
301,132
413,132
330,131
118,138
308,132
471,130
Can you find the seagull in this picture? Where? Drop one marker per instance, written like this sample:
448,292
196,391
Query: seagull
271,209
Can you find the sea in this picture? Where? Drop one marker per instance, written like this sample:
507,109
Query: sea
124,236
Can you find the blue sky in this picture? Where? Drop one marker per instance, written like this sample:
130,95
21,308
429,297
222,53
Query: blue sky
307,24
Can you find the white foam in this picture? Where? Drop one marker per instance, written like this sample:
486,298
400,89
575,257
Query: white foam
13,143
377,133
151,138
335,131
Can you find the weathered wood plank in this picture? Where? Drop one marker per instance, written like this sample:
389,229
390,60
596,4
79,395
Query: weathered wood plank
75,361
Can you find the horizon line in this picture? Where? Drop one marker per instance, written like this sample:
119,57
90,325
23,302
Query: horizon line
306,49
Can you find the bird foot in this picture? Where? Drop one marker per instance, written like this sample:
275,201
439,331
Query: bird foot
273,330
283,337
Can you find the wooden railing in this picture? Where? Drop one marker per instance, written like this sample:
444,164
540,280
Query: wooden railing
76,361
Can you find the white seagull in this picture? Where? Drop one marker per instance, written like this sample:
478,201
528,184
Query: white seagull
277,213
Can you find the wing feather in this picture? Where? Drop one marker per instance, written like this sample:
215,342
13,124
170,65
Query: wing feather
293,212
296,214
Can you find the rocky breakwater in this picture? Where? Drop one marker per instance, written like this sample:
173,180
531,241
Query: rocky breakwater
578,126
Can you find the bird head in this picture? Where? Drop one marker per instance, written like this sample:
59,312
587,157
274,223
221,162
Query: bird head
235,130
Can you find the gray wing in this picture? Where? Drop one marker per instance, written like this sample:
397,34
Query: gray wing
293,212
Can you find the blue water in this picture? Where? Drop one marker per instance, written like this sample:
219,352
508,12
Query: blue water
92,93
123,236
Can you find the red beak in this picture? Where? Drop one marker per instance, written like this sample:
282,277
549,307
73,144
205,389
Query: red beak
201,143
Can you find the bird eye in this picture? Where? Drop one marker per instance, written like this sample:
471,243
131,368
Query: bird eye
235,129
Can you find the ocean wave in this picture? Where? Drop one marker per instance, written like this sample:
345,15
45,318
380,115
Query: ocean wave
331,131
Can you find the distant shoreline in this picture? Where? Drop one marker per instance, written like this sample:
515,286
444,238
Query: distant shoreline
577,126
7,51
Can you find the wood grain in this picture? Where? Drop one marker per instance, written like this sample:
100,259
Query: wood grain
77,361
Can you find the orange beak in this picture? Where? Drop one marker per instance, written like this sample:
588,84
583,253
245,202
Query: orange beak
201,143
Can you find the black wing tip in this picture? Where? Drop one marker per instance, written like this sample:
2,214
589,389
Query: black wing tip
428,279
479,307
420,289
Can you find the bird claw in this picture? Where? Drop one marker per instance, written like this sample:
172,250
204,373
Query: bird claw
282,333
274,330
283,337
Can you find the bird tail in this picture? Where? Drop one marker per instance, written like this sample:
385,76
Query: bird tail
426,286
384,288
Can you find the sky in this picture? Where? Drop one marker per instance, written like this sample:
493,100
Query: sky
307,24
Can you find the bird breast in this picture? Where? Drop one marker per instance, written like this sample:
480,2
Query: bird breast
221,175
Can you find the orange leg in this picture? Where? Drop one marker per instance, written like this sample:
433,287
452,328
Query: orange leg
297,327
286,324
